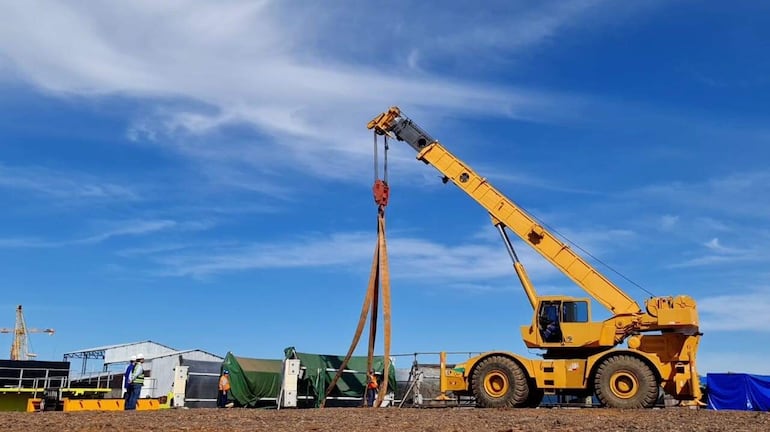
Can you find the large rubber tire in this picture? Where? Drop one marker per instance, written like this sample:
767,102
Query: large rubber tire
498,382
535,397
624,381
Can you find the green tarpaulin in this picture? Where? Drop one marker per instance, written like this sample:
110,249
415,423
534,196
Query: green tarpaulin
252,380
257,382
319,371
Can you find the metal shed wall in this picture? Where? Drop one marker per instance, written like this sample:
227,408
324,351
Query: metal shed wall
121,354
202,383
162,370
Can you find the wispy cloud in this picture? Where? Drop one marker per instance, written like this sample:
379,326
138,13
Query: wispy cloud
736,312
411,258
153,249
717,221
531,181
477,264
25,243
749,81
718,254
738,361
531,25
716,246
668,222
733,195
111,230
62,184
497,33
244,63
322,251
129,228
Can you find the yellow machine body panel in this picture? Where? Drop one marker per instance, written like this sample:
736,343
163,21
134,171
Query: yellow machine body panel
551,375
667,355
590,334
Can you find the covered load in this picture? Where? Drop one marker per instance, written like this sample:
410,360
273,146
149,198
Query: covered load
253,382
318,371
258,382
738,391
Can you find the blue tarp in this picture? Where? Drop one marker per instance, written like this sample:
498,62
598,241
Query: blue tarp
737,391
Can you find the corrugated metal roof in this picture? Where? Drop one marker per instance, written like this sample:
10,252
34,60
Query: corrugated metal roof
108,347
183,352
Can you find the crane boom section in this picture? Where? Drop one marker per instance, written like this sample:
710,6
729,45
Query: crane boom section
503,209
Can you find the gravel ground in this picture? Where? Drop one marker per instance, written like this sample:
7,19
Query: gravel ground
391,420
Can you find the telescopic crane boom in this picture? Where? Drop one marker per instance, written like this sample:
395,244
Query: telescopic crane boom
581,356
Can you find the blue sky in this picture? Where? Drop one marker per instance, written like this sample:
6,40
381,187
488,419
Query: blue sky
199,173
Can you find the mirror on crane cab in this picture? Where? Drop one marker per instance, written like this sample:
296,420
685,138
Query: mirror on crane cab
560,321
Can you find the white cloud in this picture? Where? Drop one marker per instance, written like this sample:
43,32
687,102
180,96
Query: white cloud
734,195
522,179
152,250
736,312
716,246
736,362
413,59
497,33
60,184
745,256
477,265
668,222
335,250
720,254
525,28
410,258
713,244
129,228
109,230
24,243
726,210
265,64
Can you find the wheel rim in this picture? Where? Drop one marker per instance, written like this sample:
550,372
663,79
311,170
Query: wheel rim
496,384
624,384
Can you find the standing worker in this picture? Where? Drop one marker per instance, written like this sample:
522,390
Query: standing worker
371,388
137,380
127,381
224,387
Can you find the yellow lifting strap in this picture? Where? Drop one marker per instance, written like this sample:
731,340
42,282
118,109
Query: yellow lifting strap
378,278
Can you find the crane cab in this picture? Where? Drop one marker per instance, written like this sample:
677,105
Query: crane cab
561,322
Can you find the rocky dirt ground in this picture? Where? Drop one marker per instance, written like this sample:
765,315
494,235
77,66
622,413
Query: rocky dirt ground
391,420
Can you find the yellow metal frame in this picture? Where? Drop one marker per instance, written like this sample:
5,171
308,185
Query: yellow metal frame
74,405
72,391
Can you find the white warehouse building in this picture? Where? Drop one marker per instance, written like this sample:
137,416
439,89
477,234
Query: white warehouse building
111,362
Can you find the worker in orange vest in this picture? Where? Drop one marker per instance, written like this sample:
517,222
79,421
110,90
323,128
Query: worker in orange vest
224,387
371,388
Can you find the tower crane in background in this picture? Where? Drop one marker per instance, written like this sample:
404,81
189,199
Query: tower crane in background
20,344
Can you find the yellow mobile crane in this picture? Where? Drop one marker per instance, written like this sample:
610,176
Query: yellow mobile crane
20,344
581,356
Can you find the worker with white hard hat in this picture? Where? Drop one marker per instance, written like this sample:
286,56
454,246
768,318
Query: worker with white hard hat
127,380
137,380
